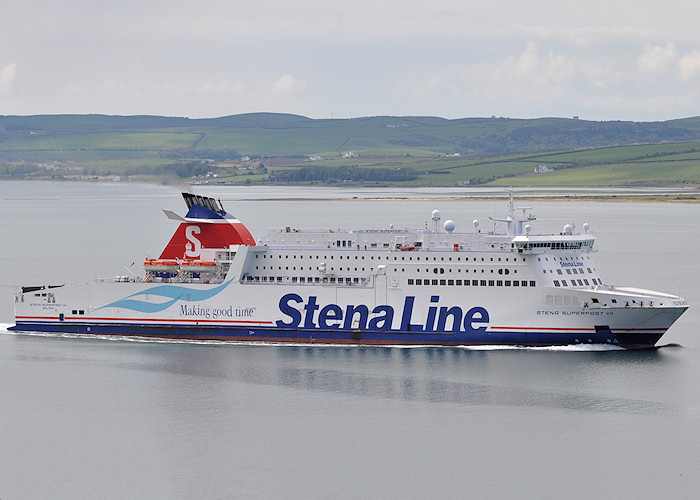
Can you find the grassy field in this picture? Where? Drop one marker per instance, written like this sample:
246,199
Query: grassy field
629,165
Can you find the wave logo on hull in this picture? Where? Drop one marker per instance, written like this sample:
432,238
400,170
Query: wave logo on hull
172,292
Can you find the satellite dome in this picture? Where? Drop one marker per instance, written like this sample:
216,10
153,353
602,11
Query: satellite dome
449,226
568,229
436,214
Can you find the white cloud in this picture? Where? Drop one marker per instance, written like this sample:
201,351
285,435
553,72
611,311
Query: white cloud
645,105
221,87
689,65
74,90
218,87
114,86
532,75
287,84
657,59
517,85
7,77
598,75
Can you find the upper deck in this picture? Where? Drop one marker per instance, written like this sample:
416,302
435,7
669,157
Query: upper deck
424,240
517,237
356,256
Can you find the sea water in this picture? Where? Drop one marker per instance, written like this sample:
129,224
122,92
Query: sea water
126,418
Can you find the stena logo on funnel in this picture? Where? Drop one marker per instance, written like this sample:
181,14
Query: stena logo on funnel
193,247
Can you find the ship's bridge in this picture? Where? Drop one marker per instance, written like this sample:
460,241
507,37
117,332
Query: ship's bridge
581,243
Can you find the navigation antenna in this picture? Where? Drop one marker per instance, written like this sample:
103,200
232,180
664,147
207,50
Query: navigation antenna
515,226
511,205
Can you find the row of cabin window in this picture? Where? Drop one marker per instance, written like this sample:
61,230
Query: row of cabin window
435,270
442,282
584,282
556,245
441,270
575,258
432,282
303,279
576,270
286,268
417,282
379,257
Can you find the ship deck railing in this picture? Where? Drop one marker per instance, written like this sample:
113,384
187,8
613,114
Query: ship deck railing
500,246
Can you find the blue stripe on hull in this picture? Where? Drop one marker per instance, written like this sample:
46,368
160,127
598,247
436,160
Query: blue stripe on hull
529,338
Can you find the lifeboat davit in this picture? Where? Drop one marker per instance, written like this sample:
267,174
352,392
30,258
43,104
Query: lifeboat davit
160,266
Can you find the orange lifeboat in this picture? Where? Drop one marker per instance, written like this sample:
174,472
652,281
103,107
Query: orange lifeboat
407,248
198,266
160,266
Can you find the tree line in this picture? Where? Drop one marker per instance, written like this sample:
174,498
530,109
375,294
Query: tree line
340,174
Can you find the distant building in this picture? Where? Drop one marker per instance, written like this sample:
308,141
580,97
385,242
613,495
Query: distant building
350,154
541,169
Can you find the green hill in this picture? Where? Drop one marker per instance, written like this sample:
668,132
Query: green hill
421,150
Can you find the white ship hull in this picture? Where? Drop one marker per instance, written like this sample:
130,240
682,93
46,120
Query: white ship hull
371,287
324,314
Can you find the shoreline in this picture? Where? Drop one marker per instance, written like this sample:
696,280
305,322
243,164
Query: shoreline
602,198
611,194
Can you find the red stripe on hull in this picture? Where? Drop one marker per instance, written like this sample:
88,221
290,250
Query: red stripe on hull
143,320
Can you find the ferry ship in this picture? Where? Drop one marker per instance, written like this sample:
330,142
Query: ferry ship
430,286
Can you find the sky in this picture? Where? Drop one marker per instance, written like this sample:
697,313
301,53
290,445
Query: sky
599,60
